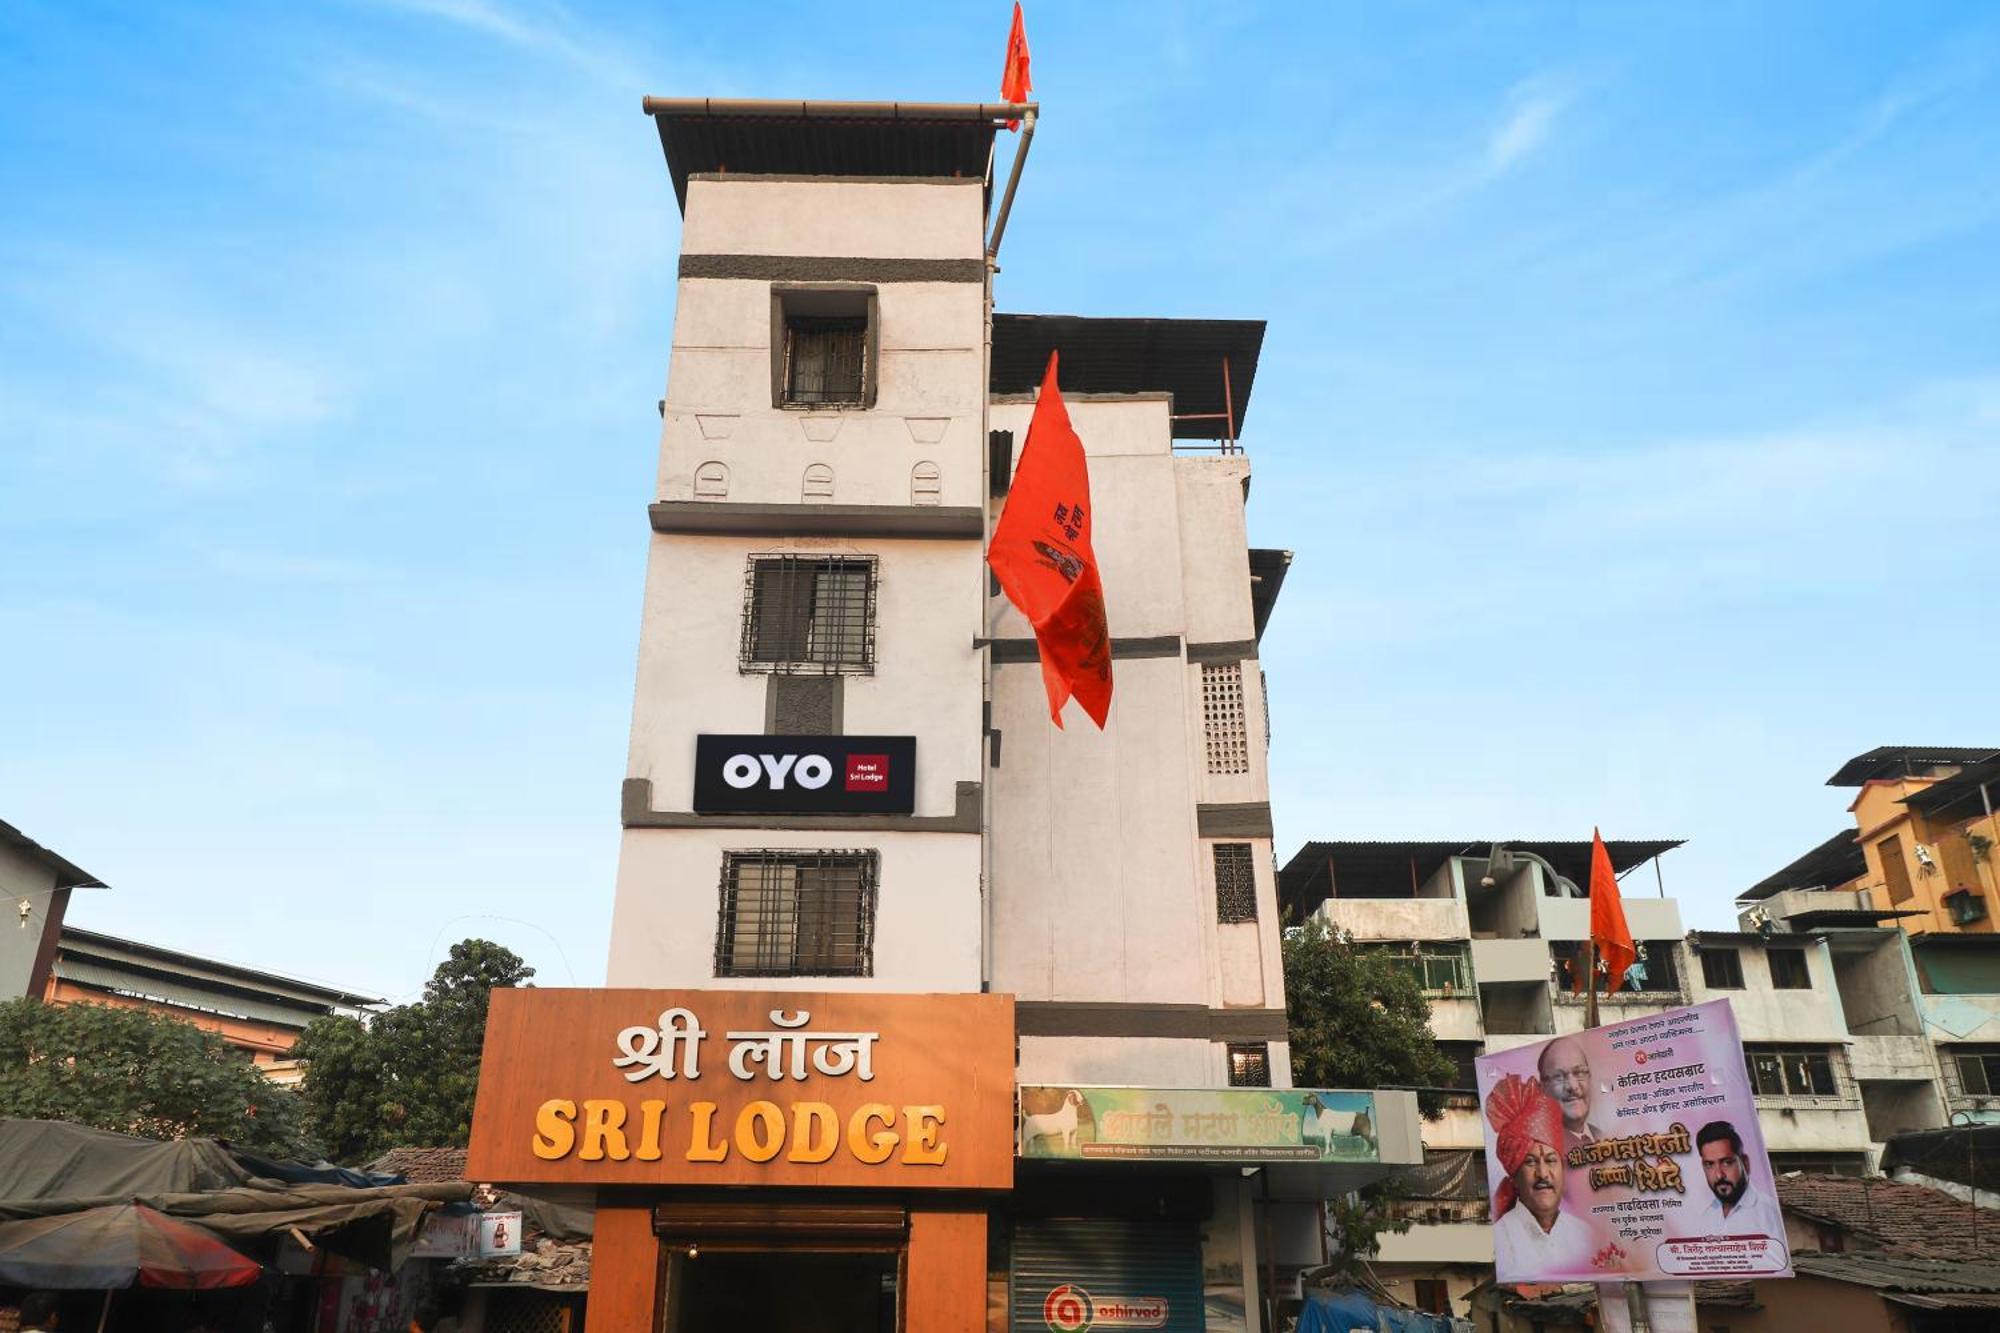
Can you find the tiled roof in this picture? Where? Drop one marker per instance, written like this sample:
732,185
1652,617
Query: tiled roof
1902,1274
1726,1295
1908,1219
423,1166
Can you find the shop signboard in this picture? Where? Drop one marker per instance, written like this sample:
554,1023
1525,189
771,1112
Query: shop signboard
1630,1153
792,1088
811,775
1198,1124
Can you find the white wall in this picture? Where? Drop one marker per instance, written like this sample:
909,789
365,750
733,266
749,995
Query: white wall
875,219
21,878
669,884
1398,918
1767,1015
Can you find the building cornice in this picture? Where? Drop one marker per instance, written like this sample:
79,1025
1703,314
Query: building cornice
719,517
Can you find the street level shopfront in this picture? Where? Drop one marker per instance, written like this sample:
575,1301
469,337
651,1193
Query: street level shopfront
790,1160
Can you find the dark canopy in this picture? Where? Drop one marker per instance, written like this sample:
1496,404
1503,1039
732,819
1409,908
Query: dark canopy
119,1245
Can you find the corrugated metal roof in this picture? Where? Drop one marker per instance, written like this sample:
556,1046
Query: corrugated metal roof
155,960
790,138
1303,883
1958,796
68,874
1890,1273
1832,863
1183,357
1897,761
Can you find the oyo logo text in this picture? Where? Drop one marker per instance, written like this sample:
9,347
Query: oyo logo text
743,771
1070,1309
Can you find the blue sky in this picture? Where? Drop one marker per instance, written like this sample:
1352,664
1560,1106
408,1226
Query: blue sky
1631,400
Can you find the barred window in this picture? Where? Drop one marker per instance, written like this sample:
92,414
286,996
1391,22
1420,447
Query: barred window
1777,1072
809,614
797,914
826,358
1249,1064
1222,718
1235,882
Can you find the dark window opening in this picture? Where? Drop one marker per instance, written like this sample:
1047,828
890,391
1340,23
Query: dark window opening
797,914
1965,907
1778,1072
1895,872
1652,973
1249,1064
1789,970
826,359
1235,882
1978,1071
1432,1297
1721,969
809,614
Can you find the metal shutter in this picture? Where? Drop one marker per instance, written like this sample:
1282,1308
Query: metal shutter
1116,1262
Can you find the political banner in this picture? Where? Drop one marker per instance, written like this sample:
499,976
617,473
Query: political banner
1630,1153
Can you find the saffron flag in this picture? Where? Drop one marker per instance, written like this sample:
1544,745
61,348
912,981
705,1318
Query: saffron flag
1014,82
1041,554
1608,930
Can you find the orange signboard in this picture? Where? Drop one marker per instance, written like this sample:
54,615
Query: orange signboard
645,1087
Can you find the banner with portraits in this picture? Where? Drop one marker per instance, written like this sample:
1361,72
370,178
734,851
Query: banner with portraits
1630,1153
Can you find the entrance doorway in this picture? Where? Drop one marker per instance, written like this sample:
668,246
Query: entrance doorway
782,1291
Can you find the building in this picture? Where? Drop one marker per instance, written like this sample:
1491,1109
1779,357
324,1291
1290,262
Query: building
1921,852
35,883
1855,1032
260,1013
851,829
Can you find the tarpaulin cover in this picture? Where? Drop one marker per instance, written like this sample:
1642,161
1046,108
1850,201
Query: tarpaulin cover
117,1246
1447,1173
1345,1311
49,1159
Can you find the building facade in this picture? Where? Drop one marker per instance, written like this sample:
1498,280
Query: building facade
35,884
1853,1031
1028,977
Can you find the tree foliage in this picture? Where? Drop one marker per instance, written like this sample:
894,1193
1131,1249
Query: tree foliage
138,1072
1359,1020
407,1077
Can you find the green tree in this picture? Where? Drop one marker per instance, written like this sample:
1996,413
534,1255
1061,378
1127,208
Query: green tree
138,1072
406,1077
1358,1019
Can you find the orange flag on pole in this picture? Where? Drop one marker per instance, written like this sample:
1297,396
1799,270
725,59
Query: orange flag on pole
1014,82
1042,556
1608,930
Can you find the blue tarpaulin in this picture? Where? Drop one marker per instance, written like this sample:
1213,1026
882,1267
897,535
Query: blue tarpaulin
1346,1311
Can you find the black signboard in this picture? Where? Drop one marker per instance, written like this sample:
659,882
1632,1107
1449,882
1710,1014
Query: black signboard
801,775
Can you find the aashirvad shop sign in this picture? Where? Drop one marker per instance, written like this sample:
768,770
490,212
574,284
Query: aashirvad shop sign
1197,1124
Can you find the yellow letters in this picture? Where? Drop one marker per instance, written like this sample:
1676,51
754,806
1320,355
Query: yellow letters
603,1131
554,1134
921,1124
701,1143
650,1114
815,1132
760,1147
867,1147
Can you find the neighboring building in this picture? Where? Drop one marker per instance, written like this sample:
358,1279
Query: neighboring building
845,794
35,885
260,1013
1922,852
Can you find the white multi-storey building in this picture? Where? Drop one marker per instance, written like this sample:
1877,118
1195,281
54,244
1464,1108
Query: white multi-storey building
842,775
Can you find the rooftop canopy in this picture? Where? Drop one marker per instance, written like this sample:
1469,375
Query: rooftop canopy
68,875
1960,796
784,138
1832,863
1394,869
1183,357
1906,761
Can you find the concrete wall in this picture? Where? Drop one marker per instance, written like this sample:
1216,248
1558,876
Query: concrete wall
1648,918
1397,919
1806,1302
1878,989
1764,1014
926,918
1509,960
22,876
1157,1062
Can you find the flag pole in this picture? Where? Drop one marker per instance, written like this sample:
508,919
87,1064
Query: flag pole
1635,1292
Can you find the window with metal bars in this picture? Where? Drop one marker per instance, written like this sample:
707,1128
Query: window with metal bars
1778,1072
1222,718
1249,1064
1235,883
804,614
788,913
826,360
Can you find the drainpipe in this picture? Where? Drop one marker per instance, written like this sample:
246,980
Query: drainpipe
1030,111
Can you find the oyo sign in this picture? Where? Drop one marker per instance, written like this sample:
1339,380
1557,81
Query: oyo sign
857,775
1071,1309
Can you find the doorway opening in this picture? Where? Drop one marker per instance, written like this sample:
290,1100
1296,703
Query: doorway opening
783,1291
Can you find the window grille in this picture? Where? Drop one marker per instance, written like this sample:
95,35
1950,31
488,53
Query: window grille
1235,882
1249,1064
1788,970
826,359
804,614
1439,969
1791,1073
1721,969
1222,718
792,913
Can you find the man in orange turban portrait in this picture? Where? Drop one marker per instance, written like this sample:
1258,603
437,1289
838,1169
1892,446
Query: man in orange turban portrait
1534,1240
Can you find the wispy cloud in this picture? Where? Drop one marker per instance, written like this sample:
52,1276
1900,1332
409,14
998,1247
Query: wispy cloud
1533,108
550,32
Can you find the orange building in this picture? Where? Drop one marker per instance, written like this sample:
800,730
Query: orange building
260,1013
1921,852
